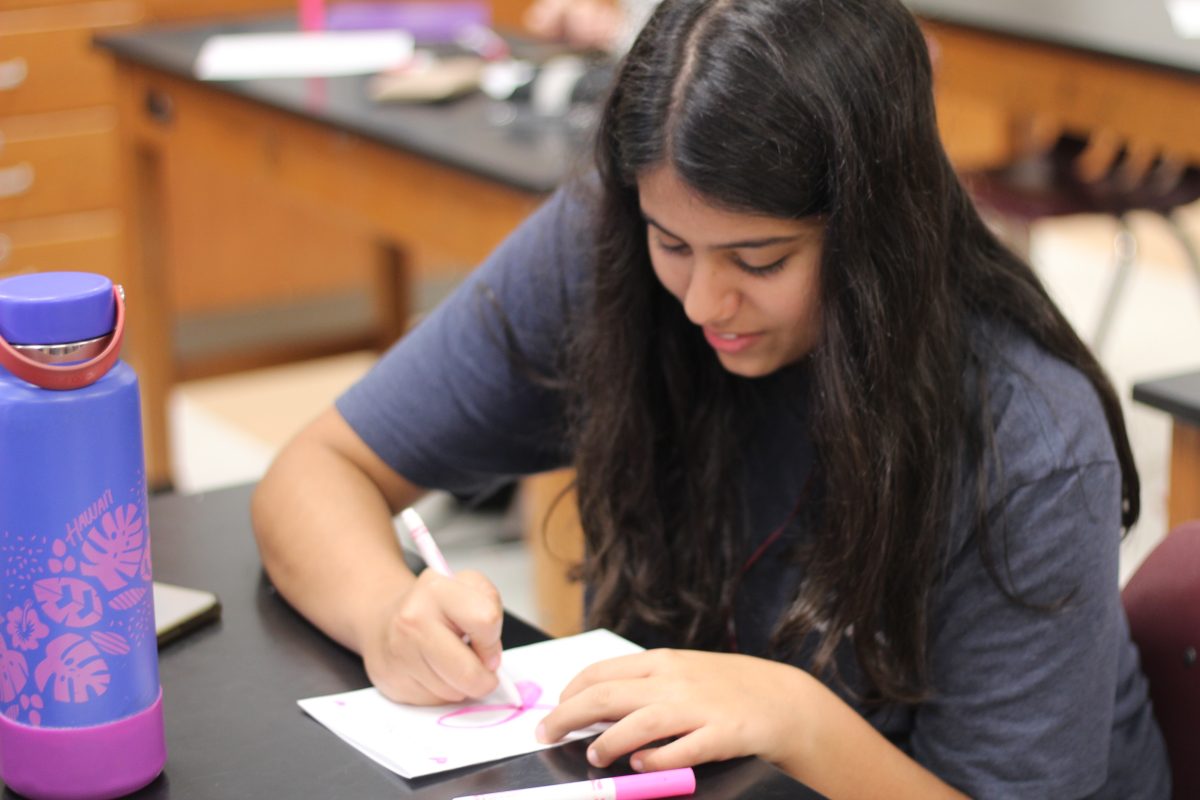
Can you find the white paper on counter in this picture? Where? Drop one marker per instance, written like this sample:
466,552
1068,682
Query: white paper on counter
421,740
249,56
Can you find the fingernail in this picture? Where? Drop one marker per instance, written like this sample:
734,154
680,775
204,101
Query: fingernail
593,757
540,733
636,763
494,662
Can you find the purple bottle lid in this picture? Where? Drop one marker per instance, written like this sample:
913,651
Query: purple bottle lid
56,308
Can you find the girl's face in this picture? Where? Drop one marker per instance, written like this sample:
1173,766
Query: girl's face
751,283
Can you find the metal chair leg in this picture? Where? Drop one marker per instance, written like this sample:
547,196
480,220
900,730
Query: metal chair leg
1189,247
1125,250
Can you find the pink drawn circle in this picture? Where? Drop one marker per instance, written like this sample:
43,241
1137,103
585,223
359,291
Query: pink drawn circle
482,716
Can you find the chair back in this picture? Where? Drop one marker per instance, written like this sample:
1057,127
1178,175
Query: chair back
1162,601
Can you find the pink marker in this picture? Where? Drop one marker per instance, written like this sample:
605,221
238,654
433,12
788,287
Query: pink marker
434,559
647,786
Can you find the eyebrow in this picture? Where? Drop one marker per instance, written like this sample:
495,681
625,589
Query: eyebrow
766,241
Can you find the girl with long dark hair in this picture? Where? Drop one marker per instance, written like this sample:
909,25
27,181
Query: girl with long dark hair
842,464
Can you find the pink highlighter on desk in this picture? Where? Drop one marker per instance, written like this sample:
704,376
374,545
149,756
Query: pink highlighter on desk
647,786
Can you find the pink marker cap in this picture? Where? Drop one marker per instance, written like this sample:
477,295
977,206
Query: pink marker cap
653,785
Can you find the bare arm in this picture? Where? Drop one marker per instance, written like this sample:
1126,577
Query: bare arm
845,757
323,520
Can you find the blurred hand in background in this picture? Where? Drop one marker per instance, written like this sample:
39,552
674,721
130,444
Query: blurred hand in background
589,24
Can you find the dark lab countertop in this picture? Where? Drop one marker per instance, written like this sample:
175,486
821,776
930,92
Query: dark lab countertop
1178,395
495,140
230,689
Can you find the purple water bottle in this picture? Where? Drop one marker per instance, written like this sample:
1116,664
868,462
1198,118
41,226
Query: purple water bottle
80,702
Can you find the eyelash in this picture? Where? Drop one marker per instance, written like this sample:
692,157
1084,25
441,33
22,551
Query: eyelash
752,269
765,269
673,249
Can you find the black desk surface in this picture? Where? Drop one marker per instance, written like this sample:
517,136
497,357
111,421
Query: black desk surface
230,689
1178,395
499,141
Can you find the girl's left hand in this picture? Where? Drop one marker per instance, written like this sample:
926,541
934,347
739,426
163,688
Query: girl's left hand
715,706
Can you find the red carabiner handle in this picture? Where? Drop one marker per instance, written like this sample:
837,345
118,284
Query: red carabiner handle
73,376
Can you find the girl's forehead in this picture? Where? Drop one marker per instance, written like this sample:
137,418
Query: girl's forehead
663,189
672,203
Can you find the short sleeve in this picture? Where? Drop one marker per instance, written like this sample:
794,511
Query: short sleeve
1022,701
468,398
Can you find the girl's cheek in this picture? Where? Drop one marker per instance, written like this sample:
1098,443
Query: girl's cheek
673,277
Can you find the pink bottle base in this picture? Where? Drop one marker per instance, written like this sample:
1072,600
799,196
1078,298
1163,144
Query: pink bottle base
92,763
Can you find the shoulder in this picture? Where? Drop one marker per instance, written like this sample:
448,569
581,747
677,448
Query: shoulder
1042,497
551,255
568,217
1043,413
470,393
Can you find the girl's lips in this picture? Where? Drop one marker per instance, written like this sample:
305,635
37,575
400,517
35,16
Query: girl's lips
730,342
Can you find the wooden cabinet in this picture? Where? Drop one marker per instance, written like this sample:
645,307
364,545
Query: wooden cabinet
58,138
58,146
59,162
62,242
47,62
59,191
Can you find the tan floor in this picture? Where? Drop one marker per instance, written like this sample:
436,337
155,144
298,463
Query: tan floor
272,404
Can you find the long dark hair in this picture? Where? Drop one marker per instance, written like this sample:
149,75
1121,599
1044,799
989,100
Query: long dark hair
796,108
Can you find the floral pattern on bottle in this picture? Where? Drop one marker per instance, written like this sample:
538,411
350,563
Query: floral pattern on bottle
69,601
77,618
114,551
61,562
14,672
74,668
25,627
30,705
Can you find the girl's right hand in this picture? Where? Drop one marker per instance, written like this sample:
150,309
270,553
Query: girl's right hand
414,650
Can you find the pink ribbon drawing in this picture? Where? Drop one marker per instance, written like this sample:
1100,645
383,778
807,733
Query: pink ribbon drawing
470,716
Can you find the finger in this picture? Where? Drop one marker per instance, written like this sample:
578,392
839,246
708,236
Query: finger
431,672
409,689
637,729
455,664
472,605
403,671
484,638
698,747
431,623
479,583
636,665
604,702
590,25
467,603
544,17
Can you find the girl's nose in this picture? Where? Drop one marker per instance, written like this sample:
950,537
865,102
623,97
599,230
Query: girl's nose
712,296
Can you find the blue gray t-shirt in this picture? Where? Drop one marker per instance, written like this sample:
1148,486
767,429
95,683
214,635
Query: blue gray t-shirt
1025,703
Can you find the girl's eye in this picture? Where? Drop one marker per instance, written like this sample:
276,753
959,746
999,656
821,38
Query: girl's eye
675,249
759,269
